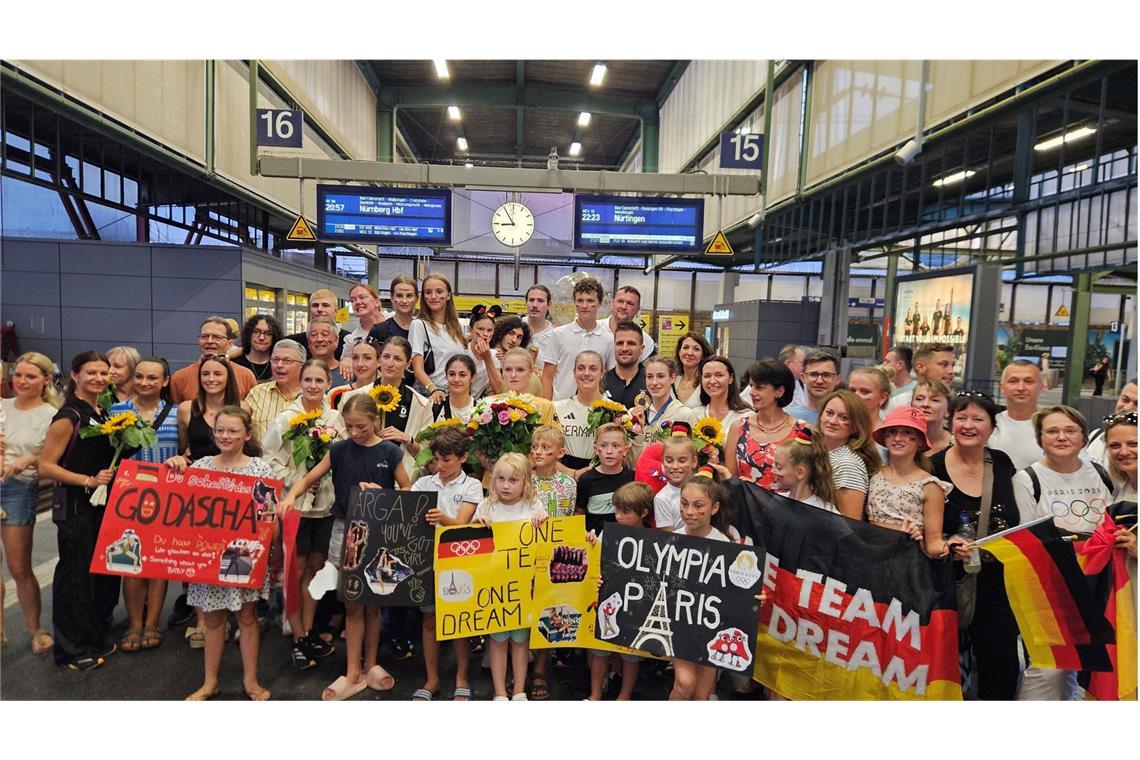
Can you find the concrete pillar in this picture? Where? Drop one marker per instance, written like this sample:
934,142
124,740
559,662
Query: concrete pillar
981,352
833,304
1078,337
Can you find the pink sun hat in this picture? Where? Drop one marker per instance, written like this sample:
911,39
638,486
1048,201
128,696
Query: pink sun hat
903,416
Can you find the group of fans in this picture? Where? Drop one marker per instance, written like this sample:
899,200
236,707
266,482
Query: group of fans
891,444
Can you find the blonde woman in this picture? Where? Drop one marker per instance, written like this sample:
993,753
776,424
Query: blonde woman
123,360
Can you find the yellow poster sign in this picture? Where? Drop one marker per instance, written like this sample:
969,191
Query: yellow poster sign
484,574
671,327
301,231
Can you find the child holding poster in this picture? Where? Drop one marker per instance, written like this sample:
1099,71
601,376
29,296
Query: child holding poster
368,461
512,498
240,454
459,493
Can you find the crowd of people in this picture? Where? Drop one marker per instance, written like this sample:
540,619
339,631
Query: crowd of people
891,444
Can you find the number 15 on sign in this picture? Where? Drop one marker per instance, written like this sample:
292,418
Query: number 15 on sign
741,151
278,129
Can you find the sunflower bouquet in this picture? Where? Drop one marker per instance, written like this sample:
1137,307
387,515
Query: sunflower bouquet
425,436
708,435
604,411
310,439
123,430
501,425
387,399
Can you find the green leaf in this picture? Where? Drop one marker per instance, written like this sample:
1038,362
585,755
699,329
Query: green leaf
423,457
300,450
131,438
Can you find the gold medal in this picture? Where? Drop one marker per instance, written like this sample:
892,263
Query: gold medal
642,399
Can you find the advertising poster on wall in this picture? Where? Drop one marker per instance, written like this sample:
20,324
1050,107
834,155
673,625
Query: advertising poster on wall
935,310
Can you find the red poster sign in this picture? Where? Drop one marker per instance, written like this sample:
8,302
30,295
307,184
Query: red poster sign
202,526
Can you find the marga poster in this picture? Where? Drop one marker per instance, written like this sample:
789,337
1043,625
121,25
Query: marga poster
388,542
202,526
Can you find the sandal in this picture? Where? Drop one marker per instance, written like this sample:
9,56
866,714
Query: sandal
151,637
301,658
342,689
539,689
131,641
423,695
197,637
42,641
86,663
262,695
461,694
379,679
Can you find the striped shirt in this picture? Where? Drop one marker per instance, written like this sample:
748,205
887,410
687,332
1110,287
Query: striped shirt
167,444
265,404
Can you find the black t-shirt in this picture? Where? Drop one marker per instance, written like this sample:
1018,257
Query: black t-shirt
86,456
387,329
1003,506
353,464
596,494
622,393
263,372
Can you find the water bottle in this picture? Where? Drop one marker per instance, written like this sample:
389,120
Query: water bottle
973,563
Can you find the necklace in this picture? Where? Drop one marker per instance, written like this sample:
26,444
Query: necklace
769,431
262,374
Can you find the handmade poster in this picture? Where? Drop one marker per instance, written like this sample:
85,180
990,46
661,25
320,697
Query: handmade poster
201,526
387,558
679,596
854,611
566,593
484,573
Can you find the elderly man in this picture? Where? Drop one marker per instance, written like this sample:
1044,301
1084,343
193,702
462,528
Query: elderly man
266,401
322,335
933,361
322,303
1096,451
625,306
821,374
1021,386
215,337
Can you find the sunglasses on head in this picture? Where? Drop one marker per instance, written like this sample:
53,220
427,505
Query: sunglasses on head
368,340
1124,418
216,358
974,394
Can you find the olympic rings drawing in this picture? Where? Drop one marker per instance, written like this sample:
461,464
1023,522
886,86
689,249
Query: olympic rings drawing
465,548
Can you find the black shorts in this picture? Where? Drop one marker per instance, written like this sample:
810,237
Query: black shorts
313,535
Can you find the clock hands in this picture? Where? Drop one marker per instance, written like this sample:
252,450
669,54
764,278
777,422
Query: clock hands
510,219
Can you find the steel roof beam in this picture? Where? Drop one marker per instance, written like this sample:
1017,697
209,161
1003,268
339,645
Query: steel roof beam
512,97
508,178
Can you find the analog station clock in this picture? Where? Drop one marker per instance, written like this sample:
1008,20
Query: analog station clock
512,223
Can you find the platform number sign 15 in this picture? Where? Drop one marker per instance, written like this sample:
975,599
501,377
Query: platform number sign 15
278,128
741,151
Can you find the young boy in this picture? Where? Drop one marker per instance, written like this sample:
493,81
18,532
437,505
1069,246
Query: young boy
585,333
596,486
555,488
459,494
678,461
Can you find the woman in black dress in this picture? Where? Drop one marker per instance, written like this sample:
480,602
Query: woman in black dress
217,387
992,634
82,601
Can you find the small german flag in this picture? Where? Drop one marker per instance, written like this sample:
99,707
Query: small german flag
1051,599
466,541
1104,562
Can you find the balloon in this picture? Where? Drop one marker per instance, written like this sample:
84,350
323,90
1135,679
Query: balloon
562,299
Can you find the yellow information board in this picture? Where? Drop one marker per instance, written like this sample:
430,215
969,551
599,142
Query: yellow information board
671,326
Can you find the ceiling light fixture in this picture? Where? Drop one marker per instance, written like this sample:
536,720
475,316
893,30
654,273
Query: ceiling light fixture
956,177
598,74
441,68
453,112
1075,169
1071,136
575,148
584,119
462,142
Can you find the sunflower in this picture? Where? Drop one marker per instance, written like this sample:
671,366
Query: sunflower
304,417
387,397
120,421
709,429
449,422
605,403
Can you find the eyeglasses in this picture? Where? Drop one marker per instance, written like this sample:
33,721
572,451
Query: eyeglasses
262,333
821,375
279,360
211,336
1068,432
1124,418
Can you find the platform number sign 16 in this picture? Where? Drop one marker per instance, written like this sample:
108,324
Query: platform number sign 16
278,129
741,151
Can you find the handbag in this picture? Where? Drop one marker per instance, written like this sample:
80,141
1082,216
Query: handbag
966,587
429,352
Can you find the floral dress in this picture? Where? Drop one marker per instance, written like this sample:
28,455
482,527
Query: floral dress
212,598
892,503
755,461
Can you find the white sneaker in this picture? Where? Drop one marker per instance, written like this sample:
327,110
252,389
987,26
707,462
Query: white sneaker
500,699
520,697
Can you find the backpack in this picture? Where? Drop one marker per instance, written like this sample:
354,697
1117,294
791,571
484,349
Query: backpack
1037,481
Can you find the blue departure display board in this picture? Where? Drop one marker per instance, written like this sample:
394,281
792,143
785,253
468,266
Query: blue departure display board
648,225
384,215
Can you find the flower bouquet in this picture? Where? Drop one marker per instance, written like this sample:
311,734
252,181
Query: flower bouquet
424,437
310,442
501,425
123,430
604,411
387,399
708,435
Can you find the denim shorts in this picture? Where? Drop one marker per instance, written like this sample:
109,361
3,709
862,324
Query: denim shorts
18,499
519,635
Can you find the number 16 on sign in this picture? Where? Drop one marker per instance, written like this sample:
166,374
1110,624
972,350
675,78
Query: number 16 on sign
741,151
279,129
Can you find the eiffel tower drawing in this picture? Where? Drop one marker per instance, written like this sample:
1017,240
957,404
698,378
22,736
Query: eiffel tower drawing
656,627
452,589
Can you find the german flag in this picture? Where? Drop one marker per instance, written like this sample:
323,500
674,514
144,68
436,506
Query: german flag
1105,563
1051,599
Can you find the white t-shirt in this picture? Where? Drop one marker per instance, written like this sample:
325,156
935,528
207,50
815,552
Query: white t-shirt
443,348
732,416
1016,439
565,343
1076,500
539,341
24,433
496,511
572,414
901,398
819,503
714,534
694,399
463,488
1097,450
848,470
667,508
674,412
900,390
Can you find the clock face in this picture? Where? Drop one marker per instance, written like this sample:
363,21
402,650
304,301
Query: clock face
512,223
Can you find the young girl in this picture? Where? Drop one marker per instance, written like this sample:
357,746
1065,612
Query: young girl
692,351
512,498
459,401
150,400
678,461
904,495
368,461
555,489
364,361
436,332
312,542
720,398
402,292
517,369
873,386
239,453
704,510
481,329
803,469
573,411
932,398
663,406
